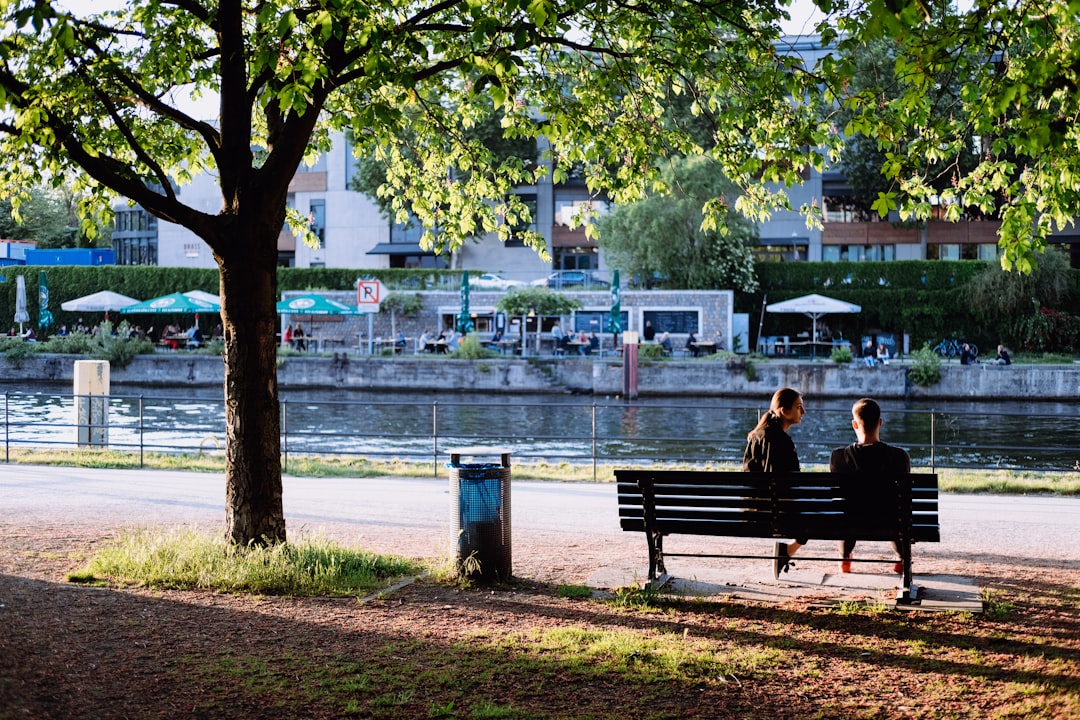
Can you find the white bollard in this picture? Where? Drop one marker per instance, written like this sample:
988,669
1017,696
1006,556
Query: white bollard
92,402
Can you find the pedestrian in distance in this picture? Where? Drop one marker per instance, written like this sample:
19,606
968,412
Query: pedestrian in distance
1002,356
967,355
769,449
877,466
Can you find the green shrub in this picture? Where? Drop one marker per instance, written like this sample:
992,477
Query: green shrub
650,351
74,344
925,367
841,355
16,349
469,348
118,349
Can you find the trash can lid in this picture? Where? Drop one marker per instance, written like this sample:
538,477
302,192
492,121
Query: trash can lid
480,450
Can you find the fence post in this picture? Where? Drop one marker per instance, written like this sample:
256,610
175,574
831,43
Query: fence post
594,441
435,439
142,421
933,440
7,430
285,435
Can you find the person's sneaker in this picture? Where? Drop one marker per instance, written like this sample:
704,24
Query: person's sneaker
898,567
845,565
780,559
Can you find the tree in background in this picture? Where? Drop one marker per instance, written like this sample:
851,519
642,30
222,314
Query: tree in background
42,216
1014,303
667,235
408,304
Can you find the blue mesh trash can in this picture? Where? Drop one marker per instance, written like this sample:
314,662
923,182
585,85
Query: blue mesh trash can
480,515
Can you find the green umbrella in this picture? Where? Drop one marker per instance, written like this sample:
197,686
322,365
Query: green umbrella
175,303
465,323
313,305
45,318
615,319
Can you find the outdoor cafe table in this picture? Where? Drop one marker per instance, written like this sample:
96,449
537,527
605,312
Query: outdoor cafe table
704,348
181,340
436,346
507,347
382,344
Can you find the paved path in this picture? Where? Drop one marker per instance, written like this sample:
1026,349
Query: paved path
562,532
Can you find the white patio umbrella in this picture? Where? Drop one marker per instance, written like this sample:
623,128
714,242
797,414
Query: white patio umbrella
103,301
813,306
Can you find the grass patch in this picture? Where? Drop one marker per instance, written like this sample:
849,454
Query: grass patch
574,592
185,559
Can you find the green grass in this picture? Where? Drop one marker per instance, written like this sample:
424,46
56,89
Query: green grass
185,559
1018,482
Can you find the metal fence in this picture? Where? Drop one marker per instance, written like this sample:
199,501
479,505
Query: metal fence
578,433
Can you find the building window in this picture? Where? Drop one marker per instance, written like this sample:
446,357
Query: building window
857,253
567,210
775,252
986,251
944,251
521,226
841,210
317,220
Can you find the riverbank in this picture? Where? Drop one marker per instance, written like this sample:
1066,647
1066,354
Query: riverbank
587,376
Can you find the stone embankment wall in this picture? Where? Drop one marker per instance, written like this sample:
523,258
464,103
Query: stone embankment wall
585,376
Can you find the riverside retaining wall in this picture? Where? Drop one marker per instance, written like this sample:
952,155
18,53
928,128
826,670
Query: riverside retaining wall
579,375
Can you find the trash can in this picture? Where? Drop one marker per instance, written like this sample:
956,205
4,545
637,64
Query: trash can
480,514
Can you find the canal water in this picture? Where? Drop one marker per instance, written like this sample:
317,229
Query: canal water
557,428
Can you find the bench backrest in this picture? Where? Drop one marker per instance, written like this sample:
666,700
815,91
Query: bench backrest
824,506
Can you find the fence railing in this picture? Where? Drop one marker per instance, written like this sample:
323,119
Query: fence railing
595,433
557,432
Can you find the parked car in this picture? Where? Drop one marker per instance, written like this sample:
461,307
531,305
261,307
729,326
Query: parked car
491,281
573,278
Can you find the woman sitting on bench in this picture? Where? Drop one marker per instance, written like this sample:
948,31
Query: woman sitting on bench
769,449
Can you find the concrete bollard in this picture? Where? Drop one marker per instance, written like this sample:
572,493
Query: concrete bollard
92,402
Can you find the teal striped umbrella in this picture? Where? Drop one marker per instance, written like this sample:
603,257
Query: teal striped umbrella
45,318
615,318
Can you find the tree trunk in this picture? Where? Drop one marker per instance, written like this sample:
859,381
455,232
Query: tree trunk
248,275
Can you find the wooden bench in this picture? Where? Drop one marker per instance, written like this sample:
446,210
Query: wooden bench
814,505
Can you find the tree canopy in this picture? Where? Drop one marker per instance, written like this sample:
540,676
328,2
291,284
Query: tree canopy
1006,74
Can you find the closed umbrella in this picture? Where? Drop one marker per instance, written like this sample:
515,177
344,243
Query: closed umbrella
615,317
21,315
465,323
45,318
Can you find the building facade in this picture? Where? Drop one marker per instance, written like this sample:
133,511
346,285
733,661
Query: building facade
351,232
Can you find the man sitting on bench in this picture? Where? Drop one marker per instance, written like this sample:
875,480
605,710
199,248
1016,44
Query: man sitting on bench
875,462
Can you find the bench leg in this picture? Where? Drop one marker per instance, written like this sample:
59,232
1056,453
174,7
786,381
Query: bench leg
909,593
656,555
